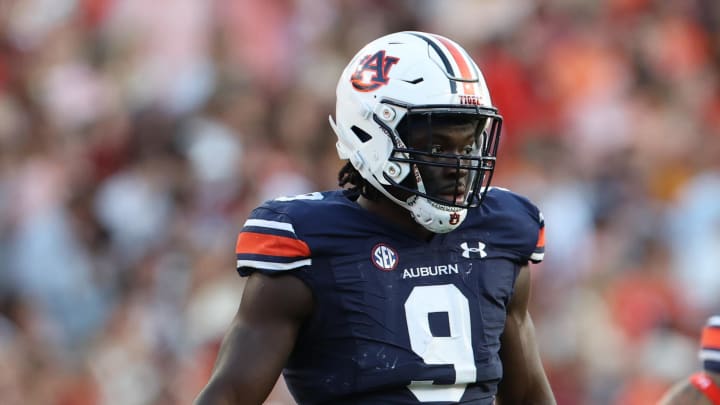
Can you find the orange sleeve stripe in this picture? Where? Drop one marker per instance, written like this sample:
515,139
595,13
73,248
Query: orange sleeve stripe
541,238
710,338
271,245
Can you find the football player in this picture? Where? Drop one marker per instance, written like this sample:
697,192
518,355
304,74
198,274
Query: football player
411,283
703,387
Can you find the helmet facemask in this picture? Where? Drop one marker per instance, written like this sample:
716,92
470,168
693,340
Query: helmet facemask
447,174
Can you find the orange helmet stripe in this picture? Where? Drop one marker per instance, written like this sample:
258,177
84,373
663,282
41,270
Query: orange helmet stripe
461,62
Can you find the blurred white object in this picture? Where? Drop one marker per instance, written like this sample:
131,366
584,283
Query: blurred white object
135,210
214,151
32,20
695,238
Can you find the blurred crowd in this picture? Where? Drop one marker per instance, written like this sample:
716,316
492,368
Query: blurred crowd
136,136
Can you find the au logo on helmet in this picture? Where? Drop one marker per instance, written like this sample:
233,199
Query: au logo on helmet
372,71
454,218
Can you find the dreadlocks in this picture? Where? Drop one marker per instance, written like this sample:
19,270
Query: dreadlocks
349,175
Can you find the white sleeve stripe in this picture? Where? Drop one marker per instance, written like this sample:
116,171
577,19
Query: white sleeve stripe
256,264
537,256
711,355
714,320
263,223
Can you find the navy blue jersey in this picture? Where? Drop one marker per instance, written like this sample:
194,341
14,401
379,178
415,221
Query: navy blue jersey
397,320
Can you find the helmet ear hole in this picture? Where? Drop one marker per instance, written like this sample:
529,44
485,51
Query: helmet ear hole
360,134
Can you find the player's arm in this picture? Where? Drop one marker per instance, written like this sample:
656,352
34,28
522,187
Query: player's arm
259,340
524,380
684,393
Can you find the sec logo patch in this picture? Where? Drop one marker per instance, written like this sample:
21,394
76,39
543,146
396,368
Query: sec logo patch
384,257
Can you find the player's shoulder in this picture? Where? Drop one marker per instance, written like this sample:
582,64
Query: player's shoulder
506,205
310,206
284,233
311,213
513,222
511,203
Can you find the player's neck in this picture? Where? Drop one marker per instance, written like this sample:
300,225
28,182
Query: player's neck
395,214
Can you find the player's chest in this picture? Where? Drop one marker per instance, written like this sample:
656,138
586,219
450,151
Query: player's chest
412,312
391,271
373,246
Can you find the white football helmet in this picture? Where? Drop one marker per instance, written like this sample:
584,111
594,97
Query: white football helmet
409,76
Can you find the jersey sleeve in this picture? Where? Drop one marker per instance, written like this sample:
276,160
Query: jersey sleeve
539,253
516,223
268,243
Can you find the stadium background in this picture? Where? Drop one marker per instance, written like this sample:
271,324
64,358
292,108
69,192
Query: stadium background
135,136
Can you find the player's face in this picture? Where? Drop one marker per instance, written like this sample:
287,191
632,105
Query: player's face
445,142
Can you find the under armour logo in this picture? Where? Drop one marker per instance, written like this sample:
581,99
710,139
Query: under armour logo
479,250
